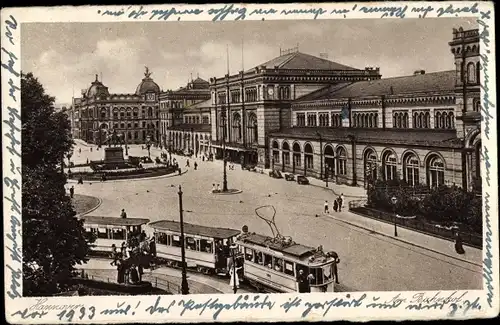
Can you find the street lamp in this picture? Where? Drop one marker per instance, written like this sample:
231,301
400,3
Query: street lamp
224,175
394,201
326,175
234,248
184,283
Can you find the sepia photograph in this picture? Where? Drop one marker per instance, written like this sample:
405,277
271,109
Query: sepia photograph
296,163
284,156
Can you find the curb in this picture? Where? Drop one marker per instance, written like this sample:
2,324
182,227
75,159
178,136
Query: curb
407,242
131,179
332,190
90,210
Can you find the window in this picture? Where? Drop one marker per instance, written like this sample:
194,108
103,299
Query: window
276,152
205,120
476,105
289,268
161,238
115,114
235,96
311,119
143,124
136,135
103,113
249,256
435,171
296,154
421,120
122,114
308,156
301,119
252,128
236,127
284,92
323,119
115,126
251,95
102,233
278,264
221,98
118,233
444,120
129,125
136,125
286,153
176,241
390,166
268,261
341,161
336,120
471,73
122,125
191,244
411,167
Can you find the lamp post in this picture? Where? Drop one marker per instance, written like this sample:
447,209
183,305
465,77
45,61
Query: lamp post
326,175
321,156
224,175
394,202
184,283
233,255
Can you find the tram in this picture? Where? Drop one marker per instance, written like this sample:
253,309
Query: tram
273,264
111,230
207,248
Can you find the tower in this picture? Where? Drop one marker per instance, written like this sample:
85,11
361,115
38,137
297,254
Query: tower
465,48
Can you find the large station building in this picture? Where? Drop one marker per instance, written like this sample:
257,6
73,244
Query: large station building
308,115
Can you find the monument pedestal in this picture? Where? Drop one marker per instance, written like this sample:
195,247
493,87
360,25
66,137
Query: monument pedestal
113,155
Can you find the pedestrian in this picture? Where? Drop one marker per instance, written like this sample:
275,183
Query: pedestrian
326,207
114,255
123,215
195,166
80,180
72,191
335,205
459,248
203,158
218,188
90,149
70,174
336,260
180,172
187,163
213,188
87,161
80,150
302,282
340,203
123,250
341,200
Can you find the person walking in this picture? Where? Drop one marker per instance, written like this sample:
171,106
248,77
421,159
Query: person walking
218,188
213,188
114,255
195,166
326,207
123,215
187,163
340,203
72,191
335,205
336,261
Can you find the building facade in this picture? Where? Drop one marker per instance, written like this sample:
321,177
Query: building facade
424,128
135,117
185,118
249,106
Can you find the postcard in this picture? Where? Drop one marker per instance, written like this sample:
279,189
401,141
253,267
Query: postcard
250,162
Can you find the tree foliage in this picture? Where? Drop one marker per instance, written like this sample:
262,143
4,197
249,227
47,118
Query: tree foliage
445,205
53,239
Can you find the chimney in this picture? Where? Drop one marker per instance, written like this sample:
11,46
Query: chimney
418,72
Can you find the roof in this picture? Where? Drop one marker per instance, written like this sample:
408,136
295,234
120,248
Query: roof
296,250
203,104
299,60
97,89
426,137
191,229
112,221
420,83
197,127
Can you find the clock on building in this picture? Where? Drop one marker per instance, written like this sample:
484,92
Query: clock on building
270,91
150,97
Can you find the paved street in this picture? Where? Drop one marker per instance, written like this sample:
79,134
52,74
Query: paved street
370,258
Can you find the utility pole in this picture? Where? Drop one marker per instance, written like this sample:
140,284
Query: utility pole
184,283
224,175
235,287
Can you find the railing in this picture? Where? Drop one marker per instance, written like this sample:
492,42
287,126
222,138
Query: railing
163,284
417,224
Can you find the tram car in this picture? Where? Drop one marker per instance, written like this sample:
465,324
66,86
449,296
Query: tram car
273,264
110,230
207,249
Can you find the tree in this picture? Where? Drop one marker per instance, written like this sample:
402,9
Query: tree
53,239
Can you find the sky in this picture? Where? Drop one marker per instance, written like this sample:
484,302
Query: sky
65,57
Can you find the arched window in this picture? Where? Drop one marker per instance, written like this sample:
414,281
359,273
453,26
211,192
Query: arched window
115,113
296,154
471,73
411,168
446,121
478,71
236,127
370,166
390,165
452,120
150,112
427,120
435,171
276,152
286,153
341,161
308,156
476,105
129,112
370,124
375,120
252,128
103,113
329,160
365,118
436,120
